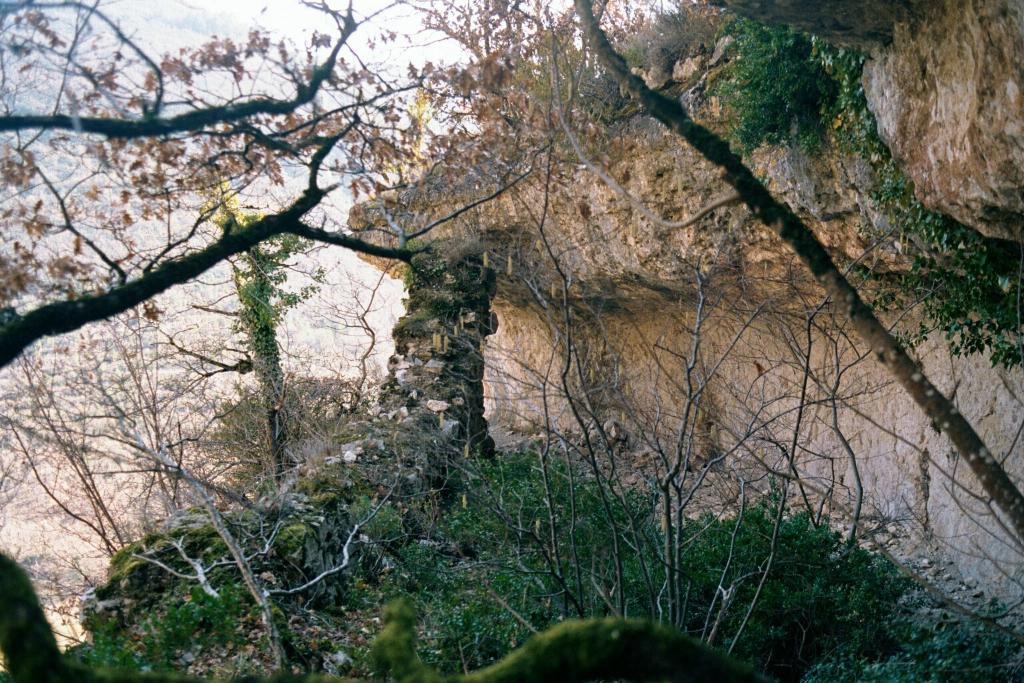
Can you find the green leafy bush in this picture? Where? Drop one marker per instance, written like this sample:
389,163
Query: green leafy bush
490,570
478,580
774,87
464,626
385,525
818,595
175,626
937,653
493,568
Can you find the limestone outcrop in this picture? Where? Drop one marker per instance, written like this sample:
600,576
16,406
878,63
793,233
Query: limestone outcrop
636,291
944,81
948,95
633,295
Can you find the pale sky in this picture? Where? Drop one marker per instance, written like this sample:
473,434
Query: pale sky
169,24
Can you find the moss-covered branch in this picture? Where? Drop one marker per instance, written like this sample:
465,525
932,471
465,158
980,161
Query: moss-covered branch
613,649
596,649
29,648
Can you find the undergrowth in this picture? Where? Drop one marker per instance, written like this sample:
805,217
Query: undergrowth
488,576
183,624
509,558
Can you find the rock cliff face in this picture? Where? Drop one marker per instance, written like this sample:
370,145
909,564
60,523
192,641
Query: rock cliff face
634,299
947,95
945,83
633,296
913,485
711,333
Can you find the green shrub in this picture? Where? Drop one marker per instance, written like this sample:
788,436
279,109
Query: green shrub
516,484
936,653
488,575
774,87
176,625
477,555
464,626
386,525
819,594
491,567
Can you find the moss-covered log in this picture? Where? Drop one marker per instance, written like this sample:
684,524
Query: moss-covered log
596,649
29,648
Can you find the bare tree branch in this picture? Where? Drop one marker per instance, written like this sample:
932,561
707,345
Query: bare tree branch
191,121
